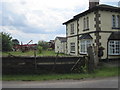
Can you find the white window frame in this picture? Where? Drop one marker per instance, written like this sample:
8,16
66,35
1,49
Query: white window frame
114,47
72,47
72,28
84,44
118,21
115,21
86,23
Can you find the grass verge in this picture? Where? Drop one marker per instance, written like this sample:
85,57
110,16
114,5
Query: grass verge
102,72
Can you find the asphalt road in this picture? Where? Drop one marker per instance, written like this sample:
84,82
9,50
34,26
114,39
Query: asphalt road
111,82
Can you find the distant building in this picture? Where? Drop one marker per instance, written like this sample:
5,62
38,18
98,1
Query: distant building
99,25
52,44
60,44
25,47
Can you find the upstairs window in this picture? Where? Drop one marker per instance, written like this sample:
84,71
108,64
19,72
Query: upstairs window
115,21
118,21
86,23
72,28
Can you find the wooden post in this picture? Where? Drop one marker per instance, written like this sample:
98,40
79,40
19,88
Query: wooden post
35,59
91,65
95,52
55,61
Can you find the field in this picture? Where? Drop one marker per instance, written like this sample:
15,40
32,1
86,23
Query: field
31,53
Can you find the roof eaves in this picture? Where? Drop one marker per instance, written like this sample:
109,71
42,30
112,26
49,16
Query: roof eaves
99,7
69,21
81,14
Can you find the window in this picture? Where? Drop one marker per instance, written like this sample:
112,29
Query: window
86,23
84,44
114,47
72,47
118,21
72,28
115,21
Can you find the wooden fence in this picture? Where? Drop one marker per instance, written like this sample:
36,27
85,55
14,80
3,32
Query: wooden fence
30,65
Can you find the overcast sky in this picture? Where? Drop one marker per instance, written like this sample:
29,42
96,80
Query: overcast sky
38,20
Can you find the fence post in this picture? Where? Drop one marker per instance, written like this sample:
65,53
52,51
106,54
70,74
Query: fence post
55,61
35,59
95,52
91,64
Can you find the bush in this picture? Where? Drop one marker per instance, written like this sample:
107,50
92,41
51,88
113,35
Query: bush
6,41
40,49
43,44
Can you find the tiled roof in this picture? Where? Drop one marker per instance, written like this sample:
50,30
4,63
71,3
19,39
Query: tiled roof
86,36
62,39
114,36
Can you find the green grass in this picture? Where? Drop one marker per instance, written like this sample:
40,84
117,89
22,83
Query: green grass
31,53
102,72
18,53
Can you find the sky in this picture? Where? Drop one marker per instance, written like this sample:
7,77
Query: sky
36,20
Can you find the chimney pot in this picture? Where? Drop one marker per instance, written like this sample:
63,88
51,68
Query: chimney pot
93,3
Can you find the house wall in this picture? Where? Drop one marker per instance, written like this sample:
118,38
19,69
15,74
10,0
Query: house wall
104,40
106,25
69,28
91,23
58,46
72,40
106,20
64,47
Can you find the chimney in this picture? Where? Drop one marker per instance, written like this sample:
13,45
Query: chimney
93,3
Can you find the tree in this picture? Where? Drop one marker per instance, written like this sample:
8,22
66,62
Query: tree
15,42
43,44
6,41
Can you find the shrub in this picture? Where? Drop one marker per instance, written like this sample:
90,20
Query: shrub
43,44
40,49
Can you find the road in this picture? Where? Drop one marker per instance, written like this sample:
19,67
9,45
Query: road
111,82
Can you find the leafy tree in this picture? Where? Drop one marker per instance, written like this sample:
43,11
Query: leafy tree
15,42
43,44
6,41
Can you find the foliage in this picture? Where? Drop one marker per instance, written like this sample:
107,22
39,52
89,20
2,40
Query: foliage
15,42
6,41
40,49
43,44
